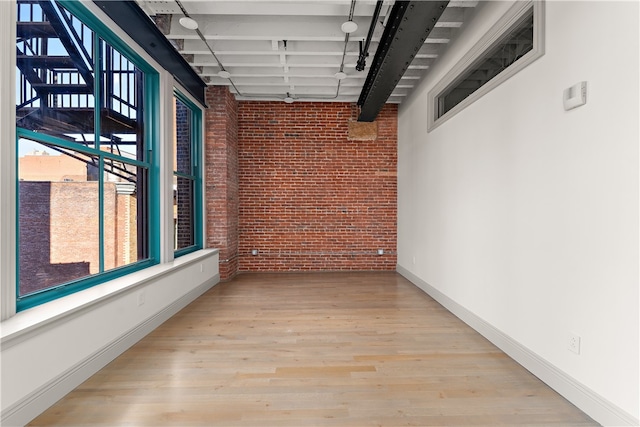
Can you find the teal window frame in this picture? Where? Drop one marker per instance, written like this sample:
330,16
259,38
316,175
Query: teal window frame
196,176
151,114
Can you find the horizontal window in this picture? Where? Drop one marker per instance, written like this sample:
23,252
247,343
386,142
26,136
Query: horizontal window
512,44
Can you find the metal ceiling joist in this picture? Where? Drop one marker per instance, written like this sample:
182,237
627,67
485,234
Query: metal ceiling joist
409,24
132,19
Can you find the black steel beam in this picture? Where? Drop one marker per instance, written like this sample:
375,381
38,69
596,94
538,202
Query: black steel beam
62,89
132,19
408,26
28,30
48,62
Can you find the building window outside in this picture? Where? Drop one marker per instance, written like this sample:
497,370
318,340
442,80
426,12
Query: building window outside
86,187
186,176
512,44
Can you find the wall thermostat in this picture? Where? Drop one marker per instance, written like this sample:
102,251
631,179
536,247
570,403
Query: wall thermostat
575,96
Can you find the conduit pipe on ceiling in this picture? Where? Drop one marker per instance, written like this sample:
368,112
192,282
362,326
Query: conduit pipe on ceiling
408,26
223,72
135,22
288,98
364,51
344,54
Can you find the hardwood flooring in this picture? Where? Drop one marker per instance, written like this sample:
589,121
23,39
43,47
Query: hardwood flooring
324,349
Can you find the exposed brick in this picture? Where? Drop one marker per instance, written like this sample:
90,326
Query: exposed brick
59,232
221,177
310,199
184,189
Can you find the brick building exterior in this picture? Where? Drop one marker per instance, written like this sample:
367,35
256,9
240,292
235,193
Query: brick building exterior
59,224
184,191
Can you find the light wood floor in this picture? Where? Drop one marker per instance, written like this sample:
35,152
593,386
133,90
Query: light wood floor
352,349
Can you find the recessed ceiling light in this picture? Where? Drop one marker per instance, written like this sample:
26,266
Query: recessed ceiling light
340,75
224,74
288,99
188,23
349,27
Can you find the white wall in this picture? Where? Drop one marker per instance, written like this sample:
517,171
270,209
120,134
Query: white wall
526,215
49,350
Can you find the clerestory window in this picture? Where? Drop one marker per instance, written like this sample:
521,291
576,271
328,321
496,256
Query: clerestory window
512,44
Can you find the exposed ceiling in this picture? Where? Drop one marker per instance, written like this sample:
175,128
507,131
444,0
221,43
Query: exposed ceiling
278,49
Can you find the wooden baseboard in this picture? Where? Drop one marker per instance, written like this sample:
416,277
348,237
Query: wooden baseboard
25,410
590,402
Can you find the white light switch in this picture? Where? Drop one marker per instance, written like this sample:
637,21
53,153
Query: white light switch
575,96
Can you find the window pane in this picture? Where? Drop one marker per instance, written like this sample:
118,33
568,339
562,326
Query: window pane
508,49
85,183
124,214
183,212
58,216
54,73
182,140
121,118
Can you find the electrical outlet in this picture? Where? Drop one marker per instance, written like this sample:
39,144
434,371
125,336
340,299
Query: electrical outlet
141,298
201,268
414,260
573,343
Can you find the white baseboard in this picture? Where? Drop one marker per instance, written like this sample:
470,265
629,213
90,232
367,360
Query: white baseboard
39,400
590,402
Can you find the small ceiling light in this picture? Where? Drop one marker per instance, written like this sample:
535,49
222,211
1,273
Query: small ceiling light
349,27
340,75
288,99
188,23
224,74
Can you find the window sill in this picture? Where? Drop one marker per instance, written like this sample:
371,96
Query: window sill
22,324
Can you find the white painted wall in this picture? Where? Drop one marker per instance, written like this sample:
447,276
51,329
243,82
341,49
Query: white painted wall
51,349
526,215
48,350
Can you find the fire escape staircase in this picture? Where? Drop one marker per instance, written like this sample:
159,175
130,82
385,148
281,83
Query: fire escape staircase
56,88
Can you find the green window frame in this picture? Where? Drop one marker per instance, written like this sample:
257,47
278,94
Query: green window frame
146,162
187,173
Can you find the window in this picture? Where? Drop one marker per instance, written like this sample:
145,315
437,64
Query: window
512,44
87,190
186,176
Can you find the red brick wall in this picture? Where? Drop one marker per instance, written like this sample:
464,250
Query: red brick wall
309,197
59,232
221,177
184,190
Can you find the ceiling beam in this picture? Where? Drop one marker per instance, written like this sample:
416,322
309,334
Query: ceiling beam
135,22
307,28
409,25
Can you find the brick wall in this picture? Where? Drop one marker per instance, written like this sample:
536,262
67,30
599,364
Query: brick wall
221,177
126,228
184,188
311,198
59,232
